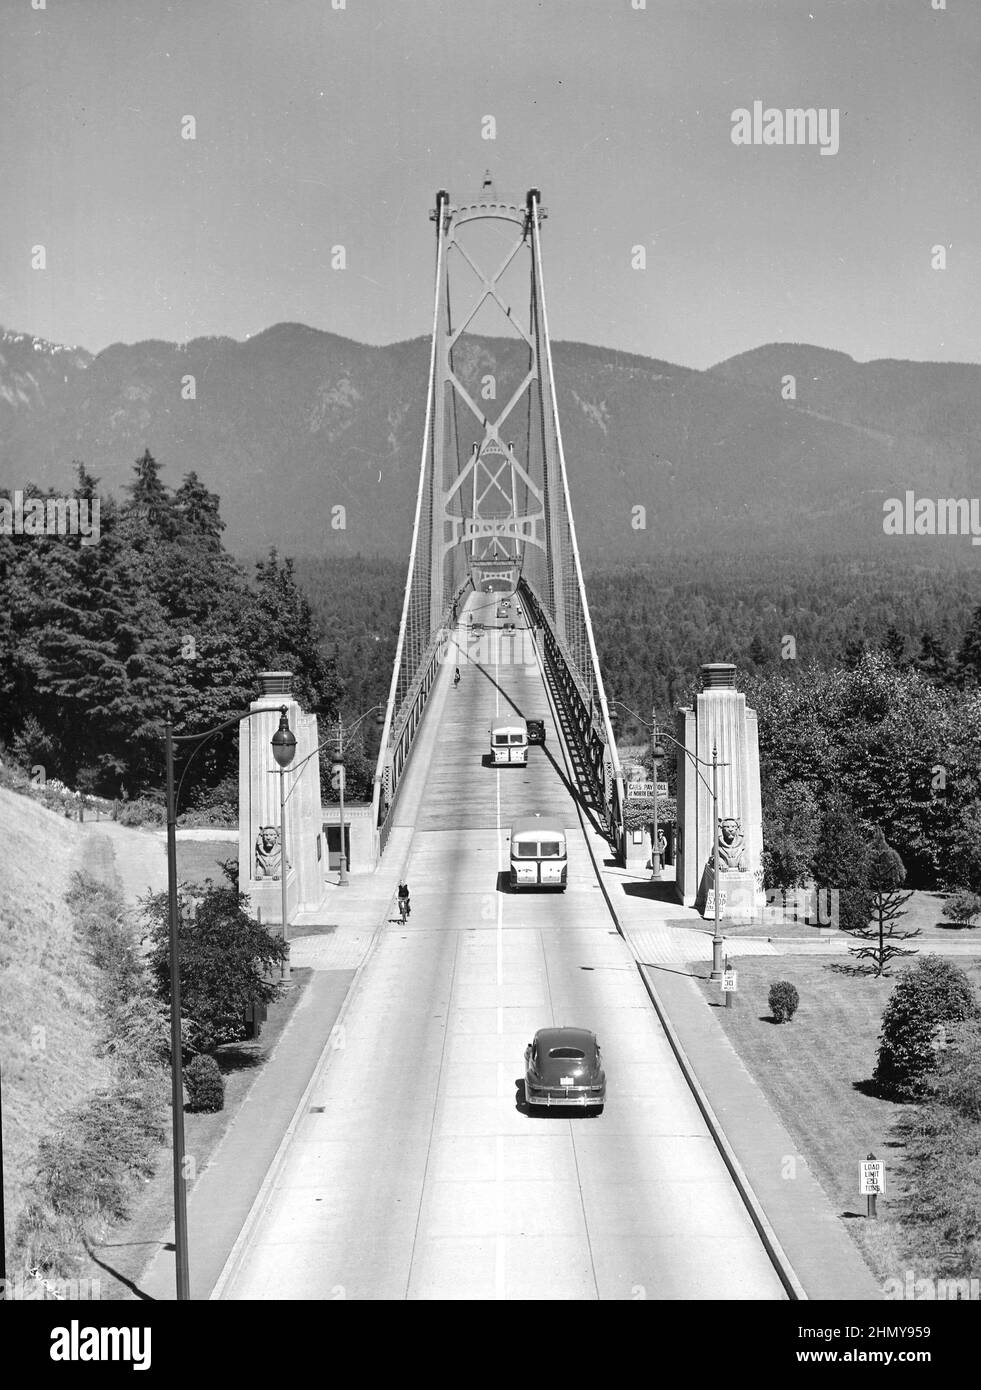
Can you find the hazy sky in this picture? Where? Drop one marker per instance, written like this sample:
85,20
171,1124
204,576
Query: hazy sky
318,126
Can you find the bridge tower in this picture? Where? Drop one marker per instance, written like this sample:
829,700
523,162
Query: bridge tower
493,509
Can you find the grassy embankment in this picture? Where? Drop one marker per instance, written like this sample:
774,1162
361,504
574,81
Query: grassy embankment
816,1072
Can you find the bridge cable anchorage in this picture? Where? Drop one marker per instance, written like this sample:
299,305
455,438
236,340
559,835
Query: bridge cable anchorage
492,514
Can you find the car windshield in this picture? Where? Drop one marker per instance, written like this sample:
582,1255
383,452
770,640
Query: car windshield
566,1052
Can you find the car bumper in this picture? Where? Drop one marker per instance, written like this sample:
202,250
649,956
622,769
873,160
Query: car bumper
580,1099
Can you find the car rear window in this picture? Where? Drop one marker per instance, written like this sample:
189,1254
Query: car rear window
551,849
566,1052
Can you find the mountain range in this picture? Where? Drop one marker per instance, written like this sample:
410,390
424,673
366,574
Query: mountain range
293,422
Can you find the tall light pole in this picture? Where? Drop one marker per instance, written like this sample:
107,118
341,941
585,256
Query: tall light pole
714,789
284,751
195,741
657,752
342,877
656,736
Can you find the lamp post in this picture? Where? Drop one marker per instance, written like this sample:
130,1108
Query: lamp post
195,742
284,751
656,736
657,753
715,765
342,878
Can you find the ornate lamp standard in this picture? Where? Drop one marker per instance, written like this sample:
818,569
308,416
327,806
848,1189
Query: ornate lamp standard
713,789
194,742
284,751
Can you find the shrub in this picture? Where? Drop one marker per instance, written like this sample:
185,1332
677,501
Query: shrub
963,907
942,1202
142,810
928,998
783,1000
205,1083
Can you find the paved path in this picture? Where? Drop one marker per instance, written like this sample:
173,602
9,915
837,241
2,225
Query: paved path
413,1170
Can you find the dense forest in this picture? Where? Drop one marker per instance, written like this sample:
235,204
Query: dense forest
865,672
99,643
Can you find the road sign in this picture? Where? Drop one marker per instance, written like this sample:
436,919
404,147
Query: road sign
872,1177
730,982
646,791
710,902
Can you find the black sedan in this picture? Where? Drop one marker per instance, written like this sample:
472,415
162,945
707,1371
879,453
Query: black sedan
536,730
563,1067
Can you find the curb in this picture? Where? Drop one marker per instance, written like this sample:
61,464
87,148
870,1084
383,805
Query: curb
777,1255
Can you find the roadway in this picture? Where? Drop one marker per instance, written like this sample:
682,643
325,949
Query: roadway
416,1172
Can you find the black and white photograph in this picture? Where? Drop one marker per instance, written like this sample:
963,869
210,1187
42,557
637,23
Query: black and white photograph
490,699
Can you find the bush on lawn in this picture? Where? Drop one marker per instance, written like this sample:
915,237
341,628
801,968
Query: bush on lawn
928,998
963,907
205,1083
783,1000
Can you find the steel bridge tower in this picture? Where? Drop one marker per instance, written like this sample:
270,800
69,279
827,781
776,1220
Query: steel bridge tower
493,508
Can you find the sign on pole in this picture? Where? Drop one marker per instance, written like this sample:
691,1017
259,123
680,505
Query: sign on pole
730,982
872,1177
646,790
710,902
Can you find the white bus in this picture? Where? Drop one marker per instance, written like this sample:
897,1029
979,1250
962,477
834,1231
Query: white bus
539,854
509,742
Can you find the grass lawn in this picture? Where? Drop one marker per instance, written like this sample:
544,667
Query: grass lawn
815,1073
120,1258
198,860
923,911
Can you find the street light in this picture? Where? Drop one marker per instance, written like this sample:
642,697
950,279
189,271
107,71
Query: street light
342,878
656,736
657,753
714,790
195,741
284,751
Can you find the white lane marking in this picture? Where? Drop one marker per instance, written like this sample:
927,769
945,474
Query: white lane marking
500,1286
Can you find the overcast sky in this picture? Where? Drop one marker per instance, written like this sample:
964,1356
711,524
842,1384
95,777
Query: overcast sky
318,127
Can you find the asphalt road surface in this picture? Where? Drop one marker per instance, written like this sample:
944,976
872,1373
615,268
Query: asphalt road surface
417,1172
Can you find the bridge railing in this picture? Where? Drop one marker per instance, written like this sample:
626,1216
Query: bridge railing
600,761
402,720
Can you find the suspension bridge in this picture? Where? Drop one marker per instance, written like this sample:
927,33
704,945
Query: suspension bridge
493,512
412,1167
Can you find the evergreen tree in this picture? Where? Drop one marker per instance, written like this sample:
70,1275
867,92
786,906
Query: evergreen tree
839,866
198,510
884,873
934,660
150,501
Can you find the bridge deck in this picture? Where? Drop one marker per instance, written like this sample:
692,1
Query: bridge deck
421,1177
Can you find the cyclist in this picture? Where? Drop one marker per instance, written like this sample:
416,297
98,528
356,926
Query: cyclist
404,908
456,676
